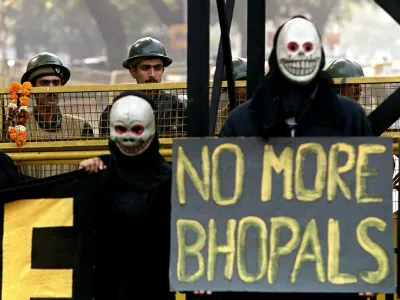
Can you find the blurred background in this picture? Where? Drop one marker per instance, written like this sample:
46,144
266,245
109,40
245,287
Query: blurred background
93,37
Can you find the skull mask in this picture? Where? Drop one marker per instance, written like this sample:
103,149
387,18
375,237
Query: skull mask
132,125
299,51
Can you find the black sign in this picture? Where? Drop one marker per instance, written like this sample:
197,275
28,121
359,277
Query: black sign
283,215
41,244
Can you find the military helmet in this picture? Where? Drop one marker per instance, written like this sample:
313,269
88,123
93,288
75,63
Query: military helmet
343,67
239,66
45,64
146,48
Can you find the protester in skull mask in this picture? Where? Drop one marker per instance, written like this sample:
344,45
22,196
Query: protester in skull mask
133,206
296,98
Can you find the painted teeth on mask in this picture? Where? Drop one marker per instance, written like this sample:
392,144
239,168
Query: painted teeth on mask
133,149
300,67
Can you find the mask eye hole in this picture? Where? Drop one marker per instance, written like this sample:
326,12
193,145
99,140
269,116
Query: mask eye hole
120,129
308,47
292,46
137,129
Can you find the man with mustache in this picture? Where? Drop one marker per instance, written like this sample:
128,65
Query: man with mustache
146,63
46,121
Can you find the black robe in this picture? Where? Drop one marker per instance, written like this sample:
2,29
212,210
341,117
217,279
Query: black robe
9,175
318,112
133,226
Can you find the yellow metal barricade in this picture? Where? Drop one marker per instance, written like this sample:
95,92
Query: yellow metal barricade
47,154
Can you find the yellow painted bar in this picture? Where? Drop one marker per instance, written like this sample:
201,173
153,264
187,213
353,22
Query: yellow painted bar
367,80
117,87
69,145
66,155
183,85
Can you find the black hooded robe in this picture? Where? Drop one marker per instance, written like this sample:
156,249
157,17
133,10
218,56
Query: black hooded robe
9,175
132,230
318,111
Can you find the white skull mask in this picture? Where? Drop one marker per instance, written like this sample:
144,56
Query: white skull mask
299,51
132,125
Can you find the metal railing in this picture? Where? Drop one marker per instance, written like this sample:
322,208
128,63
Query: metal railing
57,146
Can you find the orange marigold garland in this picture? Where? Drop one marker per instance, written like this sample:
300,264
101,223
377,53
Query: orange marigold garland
18,112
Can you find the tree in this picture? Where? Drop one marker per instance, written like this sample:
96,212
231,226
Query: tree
79,28
320,11
62,27
113,36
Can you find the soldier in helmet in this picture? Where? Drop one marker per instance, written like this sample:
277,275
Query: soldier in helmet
47,70
239,66
146,63
344,68
46,122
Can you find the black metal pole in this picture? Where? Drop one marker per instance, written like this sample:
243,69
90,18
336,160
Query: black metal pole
219,68
255,44
198,69
385,114
392,7
397,248
226,47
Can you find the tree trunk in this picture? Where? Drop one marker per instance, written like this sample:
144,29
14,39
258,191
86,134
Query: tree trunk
166,15
321,13
111,28
19,44
22,26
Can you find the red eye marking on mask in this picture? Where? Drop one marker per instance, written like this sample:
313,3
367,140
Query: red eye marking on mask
308,47
120,129
137,129
292,46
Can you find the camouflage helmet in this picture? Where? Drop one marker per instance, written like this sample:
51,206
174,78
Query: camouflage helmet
45,64
146,47
239,66
343,67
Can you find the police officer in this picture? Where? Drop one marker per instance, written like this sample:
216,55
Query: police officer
344,68
46,70
46,121
239,66
146,63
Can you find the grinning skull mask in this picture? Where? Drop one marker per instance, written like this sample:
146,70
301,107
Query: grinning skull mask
132,125
299,51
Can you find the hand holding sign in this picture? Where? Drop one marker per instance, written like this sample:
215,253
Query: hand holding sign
292,215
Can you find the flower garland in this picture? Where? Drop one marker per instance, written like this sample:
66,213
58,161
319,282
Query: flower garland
18,112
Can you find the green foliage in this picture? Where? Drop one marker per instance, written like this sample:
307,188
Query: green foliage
136,14
66,25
